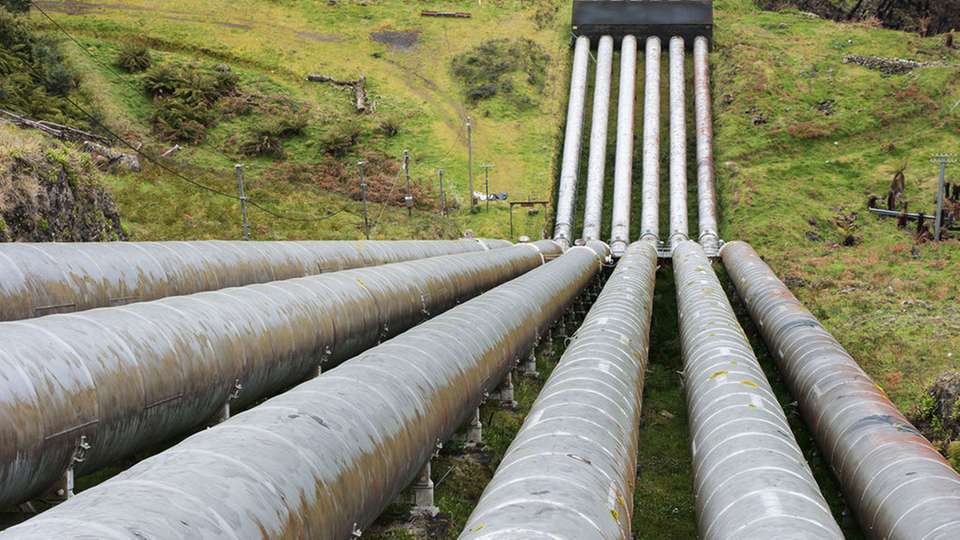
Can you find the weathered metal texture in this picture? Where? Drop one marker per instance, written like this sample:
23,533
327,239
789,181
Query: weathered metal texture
130,377
570,471
899,486
623,162
597,160
650,213
42,279
570,166
325,458
679,227
750,478
706,179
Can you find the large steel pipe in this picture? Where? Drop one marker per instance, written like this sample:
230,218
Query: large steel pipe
597,160
324,459
623,162
899,486
570,167
750,478
570,471
679,227
706,180
42,279
122,379
650,213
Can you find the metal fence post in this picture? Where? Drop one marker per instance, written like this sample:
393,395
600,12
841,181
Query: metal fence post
408,200
443,195
363,195
243,201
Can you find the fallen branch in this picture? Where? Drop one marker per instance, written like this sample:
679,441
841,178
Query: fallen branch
358,86
454,14
64,133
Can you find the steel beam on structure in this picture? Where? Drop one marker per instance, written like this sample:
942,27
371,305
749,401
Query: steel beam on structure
597,160
706,177
570,471
42,279
650,213
623,162
126,378
570,167
750,478
679,227
897,483
324,459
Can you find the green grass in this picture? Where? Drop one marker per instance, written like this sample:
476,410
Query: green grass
275,45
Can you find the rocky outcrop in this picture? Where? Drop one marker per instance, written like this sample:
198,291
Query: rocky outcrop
926,17
50,192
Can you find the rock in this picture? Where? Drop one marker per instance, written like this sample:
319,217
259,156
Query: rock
813,236
666,414
939,414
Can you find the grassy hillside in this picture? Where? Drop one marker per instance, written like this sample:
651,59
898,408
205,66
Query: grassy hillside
272,46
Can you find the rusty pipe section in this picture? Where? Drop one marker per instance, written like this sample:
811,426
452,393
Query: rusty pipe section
623,161
706,178
123,379
650,213
570,471
324,459
570,166
42,279
597,160
679,226
750,478
899,486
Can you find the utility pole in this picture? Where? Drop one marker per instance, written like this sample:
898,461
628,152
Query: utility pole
942,159
243,201
443,196
486,182
363,195
408,200
473,200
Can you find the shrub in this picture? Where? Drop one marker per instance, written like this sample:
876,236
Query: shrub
341,140
515,69
16,6
186,96
134,58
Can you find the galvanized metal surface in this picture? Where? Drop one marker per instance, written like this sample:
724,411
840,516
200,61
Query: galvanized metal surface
898,485
750,478
570,167
324,459
706,179
596,163
679,227
570,471
126,378
650,213
623,164
42,279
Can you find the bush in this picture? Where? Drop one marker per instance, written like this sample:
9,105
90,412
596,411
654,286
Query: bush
341,140
187,96
16,6
134,58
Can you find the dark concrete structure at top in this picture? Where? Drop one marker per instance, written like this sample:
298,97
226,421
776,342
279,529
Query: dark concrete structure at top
641,18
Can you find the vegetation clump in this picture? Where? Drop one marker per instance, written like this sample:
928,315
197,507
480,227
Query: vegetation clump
33,76
187,98
134,58
513,69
